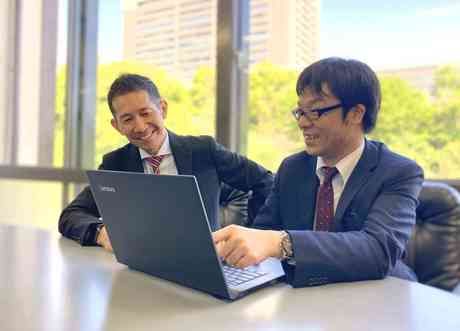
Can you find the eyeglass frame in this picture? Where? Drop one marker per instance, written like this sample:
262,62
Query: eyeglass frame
298,112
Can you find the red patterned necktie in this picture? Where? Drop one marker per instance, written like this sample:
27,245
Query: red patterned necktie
154,162
325,201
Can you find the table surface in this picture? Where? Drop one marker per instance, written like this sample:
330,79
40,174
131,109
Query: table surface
51,283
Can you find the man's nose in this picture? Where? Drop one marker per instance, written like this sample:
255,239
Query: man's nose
304,122
139,125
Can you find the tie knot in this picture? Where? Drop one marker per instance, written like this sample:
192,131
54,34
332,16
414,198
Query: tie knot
155,161
329,173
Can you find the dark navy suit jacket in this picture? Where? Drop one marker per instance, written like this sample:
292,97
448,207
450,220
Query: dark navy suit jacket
373,221
200,156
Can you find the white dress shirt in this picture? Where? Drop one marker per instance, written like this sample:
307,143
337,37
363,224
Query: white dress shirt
167,165
345,167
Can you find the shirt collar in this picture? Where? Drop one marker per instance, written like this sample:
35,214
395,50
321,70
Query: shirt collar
345,166
165,149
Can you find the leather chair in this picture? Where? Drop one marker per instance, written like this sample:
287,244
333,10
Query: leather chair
238,207
233,206
434,249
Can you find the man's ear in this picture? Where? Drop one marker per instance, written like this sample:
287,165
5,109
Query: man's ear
163,107
356,114
114,123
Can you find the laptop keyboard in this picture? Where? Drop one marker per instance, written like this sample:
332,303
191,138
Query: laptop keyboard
235,276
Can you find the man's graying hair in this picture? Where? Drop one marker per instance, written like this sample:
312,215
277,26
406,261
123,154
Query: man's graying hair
127,83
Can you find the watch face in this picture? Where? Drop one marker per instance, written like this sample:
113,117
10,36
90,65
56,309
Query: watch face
96,232
286,245
284,251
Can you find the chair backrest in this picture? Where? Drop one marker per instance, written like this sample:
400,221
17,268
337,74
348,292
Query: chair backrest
434,249
238,207
233,206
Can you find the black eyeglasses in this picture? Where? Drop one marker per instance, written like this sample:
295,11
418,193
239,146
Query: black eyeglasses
314,114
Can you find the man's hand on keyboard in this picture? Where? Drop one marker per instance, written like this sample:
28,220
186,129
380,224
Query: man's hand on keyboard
242,247
103,239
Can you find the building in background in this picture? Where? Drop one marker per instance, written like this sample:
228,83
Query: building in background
421,77
180,35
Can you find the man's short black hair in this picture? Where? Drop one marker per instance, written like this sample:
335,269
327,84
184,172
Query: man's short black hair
127,83
351,81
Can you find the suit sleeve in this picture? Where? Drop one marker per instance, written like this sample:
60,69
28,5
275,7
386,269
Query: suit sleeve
372,252
269,216
243,174
79,219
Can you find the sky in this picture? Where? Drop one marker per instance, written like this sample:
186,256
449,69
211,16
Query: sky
393,33
385,34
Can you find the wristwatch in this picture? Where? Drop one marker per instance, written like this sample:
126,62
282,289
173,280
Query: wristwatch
96,231
286,246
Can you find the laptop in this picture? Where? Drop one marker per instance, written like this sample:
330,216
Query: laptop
158,225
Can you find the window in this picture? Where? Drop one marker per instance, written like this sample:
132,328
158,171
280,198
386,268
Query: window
412,47
176,51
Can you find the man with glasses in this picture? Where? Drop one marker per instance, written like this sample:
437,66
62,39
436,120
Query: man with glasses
343,209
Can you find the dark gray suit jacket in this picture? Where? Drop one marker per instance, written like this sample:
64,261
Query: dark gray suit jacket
201,156
373,220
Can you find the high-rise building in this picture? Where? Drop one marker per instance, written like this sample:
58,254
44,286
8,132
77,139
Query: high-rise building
180,35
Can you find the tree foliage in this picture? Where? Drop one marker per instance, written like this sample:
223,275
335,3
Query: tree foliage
411,122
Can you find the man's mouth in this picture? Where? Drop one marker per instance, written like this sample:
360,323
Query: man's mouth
145,137
310,137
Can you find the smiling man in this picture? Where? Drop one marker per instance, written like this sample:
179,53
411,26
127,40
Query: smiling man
139,113
343,209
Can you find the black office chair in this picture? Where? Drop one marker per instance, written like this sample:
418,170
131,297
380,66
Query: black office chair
434,249
233,206
238,207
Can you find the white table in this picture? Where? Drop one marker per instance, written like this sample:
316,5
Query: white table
51,283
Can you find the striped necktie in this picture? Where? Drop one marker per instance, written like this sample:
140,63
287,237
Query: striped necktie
154,162
325,201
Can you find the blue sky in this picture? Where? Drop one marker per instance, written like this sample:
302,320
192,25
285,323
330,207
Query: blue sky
390,34
393,33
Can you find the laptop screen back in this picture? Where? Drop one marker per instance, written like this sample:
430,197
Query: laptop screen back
158,225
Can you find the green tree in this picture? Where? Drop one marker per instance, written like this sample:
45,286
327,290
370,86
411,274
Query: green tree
273,132
405,120
447,104
203,98
59,120
422,127
447,121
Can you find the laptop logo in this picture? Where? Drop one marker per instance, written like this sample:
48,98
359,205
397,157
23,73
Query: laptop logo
107,189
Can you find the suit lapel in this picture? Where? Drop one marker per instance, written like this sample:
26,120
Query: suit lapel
358,178
133,161
182,154
306,192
